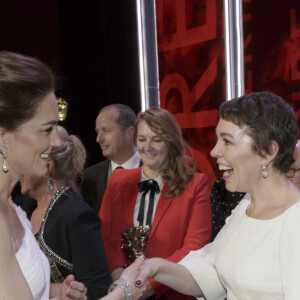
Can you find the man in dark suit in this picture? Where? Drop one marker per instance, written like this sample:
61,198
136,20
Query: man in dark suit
115,128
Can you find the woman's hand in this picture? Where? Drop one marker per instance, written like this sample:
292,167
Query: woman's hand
148,292
173,275
131,273
72,289
148,270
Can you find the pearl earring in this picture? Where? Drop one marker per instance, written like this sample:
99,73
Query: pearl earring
264,170
3,150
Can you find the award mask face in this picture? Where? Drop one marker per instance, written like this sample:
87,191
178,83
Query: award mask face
62,109
134,240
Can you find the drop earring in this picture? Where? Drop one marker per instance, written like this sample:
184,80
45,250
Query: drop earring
264,171
49,183
3,150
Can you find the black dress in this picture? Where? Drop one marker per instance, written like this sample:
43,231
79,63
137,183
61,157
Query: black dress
71,238
223,203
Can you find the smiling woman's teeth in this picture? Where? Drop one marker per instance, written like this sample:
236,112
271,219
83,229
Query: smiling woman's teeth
226,169
44,155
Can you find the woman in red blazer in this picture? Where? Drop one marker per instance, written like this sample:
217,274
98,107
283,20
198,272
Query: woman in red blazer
181,217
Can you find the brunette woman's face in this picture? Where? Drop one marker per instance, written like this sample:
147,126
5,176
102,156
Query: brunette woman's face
29,146
152,149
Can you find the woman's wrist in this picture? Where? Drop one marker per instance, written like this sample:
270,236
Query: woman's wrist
156,264
124,285
118,293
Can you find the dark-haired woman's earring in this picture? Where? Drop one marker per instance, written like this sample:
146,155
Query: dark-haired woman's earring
264,170
49,183
3,150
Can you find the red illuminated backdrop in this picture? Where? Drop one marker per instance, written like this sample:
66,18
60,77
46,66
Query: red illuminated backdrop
191,62
272,48
191,69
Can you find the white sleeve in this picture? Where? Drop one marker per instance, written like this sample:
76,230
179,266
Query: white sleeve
200,264
290,255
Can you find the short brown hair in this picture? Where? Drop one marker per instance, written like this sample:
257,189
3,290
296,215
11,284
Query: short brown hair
267,117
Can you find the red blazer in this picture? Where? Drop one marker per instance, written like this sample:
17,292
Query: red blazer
181,224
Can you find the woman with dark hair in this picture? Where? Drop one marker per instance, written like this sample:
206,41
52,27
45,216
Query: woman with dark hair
256,255
165,194
66,228
28,118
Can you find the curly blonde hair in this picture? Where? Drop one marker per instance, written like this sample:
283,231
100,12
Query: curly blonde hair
180,167
69,159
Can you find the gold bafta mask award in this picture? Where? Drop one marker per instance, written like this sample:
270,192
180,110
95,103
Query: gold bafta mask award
62,109
134,241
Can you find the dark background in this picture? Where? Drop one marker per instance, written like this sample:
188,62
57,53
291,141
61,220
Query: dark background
92,47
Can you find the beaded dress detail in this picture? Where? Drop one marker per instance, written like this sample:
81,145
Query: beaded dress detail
53,258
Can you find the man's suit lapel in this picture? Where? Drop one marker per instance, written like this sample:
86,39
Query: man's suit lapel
162,207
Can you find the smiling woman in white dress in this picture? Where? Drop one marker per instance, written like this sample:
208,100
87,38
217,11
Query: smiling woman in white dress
256,255
28,118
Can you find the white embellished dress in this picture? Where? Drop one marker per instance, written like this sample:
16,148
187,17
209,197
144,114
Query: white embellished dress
32,261
251,258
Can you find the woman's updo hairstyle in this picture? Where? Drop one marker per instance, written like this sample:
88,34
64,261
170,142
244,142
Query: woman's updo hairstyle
24,83
69,159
